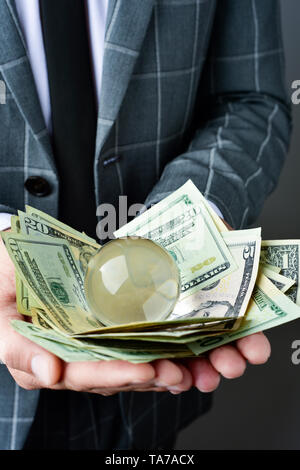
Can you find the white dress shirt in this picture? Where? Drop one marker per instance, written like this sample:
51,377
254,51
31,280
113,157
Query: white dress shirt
29,17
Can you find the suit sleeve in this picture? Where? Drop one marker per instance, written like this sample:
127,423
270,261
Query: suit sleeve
7,210
237,151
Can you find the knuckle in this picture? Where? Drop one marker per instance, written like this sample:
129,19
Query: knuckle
72,384
16,358
26,385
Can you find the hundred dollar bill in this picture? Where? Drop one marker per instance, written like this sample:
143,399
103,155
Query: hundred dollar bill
50,272
181,224
284,254
268,308
229,296
281,282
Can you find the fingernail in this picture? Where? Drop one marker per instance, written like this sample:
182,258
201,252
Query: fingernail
40,368
160,384
174,390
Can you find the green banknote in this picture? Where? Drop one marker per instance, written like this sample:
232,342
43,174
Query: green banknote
71,350
284,254
182,224
268,308
50,272
229,296
80,244
24,298
68,351
48,219
218,272
281,282
22,293
276,269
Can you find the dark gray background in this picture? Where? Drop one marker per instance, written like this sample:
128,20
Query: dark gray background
261,410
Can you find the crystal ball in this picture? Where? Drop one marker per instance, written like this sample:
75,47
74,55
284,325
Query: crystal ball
131,279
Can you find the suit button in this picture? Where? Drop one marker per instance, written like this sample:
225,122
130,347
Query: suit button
37,186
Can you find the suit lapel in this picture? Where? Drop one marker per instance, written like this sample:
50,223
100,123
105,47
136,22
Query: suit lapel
126,26
127,23
17,73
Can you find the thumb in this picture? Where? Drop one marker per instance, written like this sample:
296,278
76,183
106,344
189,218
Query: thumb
19,353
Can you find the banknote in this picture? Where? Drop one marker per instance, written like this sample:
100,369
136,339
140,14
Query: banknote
218,272
22,293
268,308
24,298
60,226
281,282
71,350
276,269
285,254
181,224
40,321
81,245
164,336
229,296
49,271
68,352
175,329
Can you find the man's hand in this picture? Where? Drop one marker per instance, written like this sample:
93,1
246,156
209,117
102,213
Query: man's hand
33,367
228,361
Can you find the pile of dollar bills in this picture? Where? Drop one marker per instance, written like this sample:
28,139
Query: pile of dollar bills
232,283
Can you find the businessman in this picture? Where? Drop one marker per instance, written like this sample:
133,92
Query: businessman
130,97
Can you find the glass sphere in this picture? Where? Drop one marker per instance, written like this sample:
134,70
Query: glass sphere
131,279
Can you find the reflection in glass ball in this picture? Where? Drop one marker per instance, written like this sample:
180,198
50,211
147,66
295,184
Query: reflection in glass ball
131,279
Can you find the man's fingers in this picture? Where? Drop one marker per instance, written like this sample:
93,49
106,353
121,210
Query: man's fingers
168,374
128,388
21,354
161,369
205,377
186,382
255,348
104,374
228,361
24,380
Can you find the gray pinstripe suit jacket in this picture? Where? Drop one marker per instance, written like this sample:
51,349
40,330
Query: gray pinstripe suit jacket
191,89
